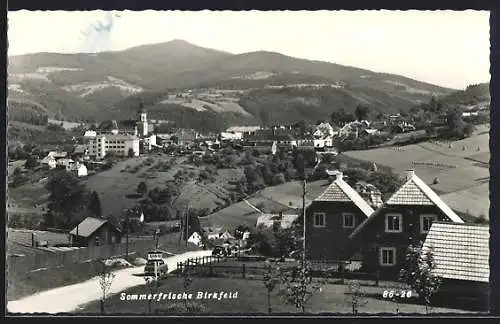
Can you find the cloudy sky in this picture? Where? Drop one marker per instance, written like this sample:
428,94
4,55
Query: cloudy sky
448,48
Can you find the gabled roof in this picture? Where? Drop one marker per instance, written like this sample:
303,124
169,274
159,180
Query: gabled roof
47,159
339,190
77,166
57,154
79,149
460,251
416,192
88,226
90,133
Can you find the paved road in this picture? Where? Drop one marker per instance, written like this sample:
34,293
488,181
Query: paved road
69,298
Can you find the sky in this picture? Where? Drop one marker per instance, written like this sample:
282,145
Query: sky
447,48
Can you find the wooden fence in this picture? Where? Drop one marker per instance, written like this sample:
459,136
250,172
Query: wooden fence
48,259
215,266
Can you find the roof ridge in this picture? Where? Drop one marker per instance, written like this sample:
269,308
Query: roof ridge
350,193
463,224
434,197
429,194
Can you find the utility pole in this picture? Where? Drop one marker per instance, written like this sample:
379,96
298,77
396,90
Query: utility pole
187,224
304,219
127,215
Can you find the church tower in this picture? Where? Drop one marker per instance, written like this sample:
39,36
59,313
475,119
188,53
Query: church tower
143,120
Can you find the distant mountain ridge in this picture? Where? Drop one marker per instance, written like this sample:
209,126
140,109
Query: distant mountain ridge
181,81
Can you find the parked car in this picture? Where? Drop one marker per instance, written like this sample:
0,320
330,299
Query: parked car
162,268
220,251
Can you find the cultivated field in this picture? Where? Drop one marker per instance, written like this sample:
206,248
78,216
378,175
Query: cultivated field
462,168
286,197
65,124
252,300
217,102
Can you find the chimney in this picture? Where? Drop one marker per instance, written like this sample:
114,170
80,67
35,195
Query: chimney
339,175
409,174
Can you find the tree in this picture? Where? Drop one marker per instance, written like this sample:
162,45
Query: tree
95,204
66,197
340,117
193,223
105,279
187,280
142,188
355,297
153,285
130,153
362,112
299,285
31,162
271,280
468,129
300,163
431,130
455,122
418,273
17,171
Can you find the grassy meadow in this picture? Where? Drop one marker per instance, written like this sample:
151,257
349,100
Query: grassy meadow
463,172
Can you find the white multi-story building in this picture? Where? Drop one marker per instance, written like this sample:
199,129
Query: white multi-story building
119,144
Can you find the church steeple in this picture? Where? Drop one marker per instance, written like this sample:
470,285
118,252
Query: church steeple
142,110
143,120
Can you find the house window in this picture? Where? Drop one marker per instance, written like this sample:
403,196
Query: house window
97,240
426,222
393,223
387,256
348,220
319,219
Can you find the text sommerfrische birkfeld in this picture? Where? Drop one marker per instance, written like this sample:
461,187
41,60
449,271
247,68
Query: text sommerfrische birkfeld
219,295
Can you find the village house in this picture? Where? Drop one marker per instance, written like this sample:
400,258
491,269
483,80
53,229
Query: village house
49,162
331,218
266,137
64,163
369,131
370,193
79,169
196,239
323,129
283,221
186,137
230,136
407,215
226,236
245,131
90,134
461,258
94,232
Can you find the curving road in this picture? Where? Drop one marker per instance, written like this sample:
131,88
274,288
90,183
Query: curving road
69,298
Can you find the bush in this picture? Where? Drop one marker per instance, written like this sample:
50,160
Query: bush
278,178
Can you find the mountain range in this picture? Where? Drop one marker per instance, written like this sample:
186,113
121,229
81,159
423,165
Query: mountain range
193,86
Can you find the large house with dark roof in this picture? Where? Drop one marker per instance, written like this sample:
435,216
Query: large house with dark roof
331,218
461,258
384,237
94,232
